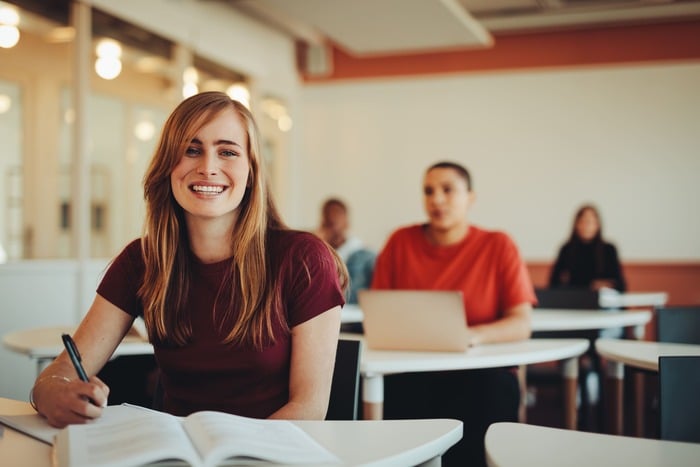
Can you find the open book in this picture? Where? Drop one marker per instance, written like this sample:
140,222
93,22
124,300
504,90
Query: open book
202,439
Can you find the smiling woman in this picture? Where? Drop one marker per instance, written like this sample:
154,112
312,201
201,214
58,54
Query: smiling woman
212,177
233,300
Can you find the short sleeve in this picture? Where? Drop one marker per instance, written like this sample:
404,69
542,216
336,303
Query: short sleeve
516,284
121,282
310,278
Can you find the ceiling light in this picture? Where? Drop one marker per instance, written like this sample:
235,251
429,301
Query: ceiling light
189,90
108,67
5,103
239,92
9,16
9,36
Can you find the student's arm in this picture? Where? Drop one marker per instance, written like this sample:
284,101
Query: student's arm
58,393
514,326
314,343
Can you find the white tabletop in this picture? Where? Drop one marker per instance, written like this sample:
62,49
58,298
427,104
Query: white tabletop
483,356
515,445
351,314
578,320
45,342
641,354
611,298
555,319
357,443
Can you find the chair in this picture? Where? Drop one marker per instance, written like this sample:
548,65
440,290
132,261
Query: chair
679,405
680,324
345,388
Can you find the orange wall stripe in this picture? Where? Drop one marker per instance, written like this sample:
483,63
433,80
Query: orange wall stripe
678,41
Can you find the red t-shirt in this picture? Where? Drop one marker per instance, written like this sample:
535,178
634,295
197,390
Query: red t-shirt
486,266
207,374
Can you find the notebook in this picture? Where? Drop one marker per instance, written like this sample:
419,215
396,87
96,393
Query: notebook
419,320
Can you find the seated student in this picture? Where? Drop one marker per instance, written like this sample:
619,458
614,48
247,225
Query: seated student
586,260
334,229
243,313
449,253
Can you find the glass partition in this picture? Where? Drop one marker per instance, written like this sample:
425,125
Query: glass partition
12,234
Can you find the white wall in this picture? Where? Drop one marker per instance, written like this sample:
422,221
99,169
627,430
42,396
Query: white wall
38,294
538,143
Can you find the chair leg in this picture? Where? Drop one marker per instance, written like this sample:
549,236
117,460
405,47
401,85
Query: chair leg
522,382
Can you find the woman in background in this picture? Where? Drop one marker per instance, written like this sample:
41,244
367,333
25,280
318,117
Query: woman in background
243,313
586,260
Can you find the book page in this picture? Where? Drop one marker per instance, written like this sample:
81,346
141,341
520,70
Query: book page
143,439
37,427
221,437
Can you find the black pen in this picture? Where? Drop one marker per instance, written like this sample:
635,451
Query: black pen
74,356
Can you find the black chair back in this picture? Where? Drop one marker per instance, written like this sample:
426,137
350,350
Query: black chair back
345,388
679,402
678,324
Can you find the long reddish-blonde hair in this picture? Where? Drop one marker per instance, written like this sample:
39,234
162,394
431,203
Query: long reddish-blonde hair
165,244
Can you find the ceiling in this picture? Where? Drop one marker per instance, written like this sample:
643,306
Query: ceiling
381,27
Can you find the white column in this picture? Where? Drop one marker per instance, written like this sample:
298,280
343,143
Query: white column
80,177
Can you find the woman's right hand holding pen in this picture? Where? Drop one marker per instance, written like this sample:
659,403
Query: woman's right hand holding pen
63,399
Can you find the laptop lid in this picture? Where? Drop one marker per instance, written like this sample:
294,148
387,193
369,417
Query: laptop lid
419,320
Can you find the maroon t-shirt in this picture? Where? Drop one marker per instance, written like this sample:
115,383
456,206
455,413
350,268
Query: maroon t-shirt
207,374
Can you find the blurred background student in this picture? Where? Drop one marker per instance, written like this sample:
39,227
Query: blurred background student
449,253
334,228
586,260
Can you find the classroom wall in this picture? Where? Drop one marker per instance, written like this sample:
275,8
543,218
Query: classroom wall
35,294
539,142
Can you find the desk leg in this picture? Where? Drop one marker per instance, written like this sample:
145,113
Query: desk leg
372,396
639,403
614,390
570,373
639,380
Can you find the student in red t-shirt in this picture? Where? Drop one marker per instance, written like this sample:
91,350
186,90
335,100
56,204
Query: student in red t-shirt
450,253
243,313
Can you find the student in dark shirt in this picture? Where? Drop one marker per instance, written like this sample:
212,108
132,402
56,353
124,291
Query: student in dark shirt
586,260
243,313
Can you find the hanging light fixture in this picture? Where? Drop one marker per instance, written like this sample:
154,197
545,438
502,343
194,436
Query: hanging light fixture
239,92
108,64
190,82
9,34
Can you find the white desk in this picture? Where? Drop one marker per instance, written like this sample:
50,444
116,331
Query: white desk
544,320
356,443
45,344
610,298
515,445
558,319
377,363
351,313
639,354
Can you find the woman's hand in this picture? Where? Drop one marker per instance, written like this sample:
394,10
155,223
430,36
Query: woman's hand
63,401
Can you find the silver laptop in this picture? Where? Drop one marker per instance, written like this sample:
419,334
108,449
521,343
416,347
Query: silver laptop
419,320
